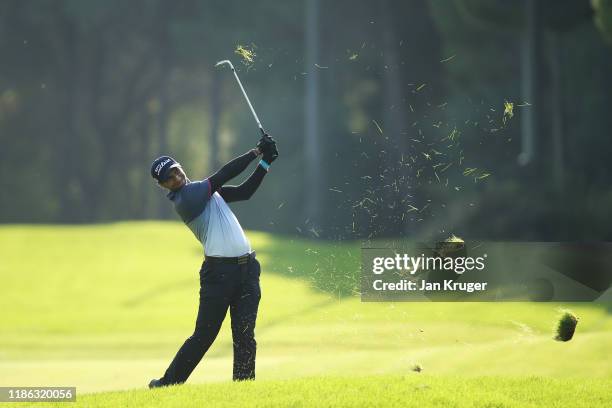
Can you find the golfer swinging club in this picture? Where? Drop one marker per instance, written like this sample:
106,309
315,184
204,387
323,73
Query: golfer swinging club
229,276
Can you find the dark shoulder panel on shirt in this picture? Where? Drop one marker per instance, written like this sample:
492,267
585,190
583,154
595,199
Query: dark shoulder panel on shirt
191,200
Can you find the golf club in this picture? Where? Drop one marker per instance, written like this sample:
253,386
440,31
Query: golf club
228,62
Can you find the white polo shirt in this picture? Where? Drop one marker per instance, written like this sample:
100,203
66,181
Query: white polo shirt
210,219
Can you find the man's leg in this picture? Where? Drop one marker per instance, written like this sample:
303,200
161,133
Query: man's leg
243,311
215,290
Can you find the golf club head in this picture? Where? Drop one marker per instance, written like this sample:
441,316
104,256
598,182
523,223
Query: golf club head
228,62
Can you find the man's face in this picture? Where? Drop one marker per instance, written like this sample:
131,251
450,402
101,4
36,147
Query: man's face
176,179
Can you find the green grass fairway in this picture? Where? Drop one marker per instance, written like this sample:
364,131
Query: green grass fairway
415,390
106,307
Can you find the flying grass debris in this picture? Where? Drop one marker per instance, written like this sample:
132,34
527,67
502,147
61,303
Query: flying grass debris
566,326
248,55
432,153
377,126
412,208
452,135
508,111
474,172
454,238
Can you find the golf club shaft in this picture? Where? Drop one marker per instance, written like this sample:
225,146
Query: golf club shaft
248,101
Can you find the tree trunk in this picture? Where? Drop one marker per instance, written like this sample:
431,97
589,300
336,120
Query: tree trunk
312,156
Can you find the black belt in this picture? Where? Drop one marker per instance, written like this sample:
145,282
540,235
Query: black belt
239,260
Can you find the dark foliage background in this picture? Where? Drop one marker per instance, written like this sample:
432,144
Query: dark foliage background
390,115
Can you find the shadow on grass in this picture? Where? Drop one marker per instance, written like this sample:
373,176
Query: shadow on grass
330,267
158,290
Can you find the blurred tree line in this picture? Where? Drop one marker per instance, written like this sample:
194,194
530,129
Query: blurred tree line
483,118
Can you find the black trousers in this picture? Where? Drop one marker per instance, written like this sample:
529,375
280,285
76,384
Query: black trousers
222,286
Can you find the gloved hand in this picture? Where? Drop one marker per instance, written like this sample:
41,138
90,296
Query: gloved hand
265,142
271,155
267,145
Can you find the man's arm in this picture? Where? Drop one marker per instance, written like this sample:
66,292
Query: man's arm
267,147
245,190
231,170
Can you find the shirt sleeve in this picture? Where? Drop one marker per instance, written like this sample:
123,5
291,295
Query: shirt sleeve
245,190
192,199
207,181
231,170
